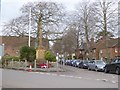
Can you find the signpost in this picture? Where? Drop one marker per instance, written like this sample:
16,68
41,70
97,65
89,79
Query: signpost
1,50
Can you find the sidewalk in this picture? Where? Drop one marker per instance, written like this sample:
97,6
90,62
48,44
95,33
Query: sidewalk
53,69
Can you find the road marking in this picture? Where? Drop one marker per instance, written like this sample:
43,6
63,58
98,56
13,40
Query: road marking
88,78
105,80
54,74
36,72
78,77
42,73
114,82
69,76
62,75
98,79
48,73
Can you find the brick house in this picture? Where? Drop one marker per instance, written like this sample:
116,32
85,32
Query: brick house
13,44
104,48
108,48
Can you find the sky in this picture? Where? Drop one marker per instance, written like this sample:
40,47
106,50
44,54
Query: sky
11,8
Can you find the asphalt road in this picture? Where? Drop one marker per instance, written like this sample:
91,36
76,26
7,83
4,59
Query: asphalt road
73,78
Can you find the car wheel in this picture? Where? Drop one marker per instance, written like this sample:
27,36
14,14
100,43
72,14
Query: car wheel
106,70
117,71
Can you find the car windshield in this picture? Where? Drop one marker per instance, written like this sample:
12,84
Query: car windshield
116,61
85,61
100,62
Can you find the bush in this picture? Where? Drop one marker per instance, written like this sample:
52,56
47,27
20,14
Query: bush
28,53
9,58
6,59
50,57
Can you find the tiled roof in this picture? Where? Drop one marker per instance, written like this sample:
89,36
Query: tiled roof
110,42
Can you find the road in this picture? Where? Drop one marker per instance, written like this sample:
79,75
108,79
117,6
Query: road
73,78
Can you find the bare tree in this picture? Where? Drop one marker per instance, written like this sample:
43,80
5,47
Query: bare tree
51,15
87,19
68,43
16,27
106,11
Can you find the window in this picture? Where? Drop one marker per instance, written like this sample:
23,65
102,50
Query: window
116,50
101,51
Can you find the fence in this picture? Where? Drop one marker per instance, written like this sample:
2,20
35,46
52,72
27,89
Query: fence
15,64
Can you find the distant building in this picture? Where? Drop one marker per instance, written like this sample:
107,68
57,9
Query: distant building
12,44
108,48
104,48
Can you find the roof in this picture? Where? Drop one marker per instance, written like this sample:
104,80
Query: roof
110,42
15,41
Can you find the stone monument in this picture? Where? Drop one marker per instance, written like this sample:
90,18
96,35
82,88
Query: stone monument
40,51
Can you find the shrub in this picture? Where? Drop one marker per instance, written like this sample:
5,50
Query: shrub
49,56
8,58
28,53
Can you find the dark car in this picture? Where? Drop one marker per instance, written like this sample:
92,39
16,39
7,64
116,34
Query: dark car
71,62
83,64
76,64
114,67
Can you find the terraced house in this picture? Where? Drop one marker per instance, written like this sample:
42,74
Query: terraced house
104,48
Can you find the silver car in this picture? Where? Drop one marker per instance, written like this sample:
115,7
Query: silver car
97,65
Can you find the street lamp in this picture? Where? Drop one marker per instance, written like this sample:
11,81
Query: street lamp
29,26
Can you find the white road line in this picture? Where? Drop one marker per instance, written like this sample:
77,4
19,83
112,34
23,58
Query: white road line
54,74
88,78
36,72
78,77
42,73
98,79
62,75
114,82
48,73
105,80
70,76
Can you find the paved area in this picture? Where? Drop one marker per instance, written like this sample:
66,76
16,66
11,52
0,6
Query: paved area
73,78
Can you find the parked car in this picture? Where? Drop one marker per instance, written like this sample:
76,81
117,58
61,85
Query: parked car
43,65
76,64
97,65
114,67
71,62
83,64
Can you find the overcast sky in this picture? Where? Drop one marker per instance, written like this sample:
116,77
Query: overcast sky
10,8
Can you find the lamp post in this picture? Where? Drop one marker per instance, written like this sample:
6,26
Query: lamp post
29,26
